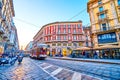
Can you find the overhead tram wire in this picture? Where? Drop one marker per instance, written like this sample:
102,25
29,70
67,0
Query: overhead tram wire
26,22
77,14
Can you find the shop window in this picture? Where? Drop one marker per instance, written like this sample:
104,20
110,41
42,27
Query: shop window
74,44
64,44
80,44
69,44
59,44
53,44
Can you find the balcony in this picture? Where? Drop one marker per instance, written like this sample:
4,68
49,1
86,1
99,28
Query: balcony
101,12
3,18
78,40
75,33
108,29
62,33
2,31
48,34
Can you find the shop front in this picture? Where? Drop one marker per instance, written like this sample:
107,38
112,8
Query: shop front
64,52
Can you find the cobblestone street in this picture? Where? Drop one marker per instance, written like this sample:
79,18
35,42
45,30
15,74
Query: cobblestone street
102,71
53,69
24,71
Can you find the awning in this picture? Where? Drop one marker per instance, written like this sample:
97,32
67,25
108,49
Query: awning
83,48
107,47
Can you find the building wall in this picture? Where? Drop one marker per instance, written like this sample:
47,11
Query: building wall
104,13
9,35
62,36
87,34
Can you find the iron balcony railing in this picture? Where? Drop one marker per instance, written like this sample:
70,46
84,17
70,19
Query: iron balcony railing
106,29
2,31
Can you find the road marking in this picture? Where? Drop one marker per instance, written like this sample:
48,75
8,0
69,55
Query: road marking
45,70
56,71
47,67
76,76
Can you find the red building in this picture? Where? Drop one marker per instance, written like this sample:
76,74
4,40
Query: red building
61,36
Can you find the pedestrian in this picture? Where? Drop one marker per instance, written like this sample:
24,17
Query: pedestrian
95,55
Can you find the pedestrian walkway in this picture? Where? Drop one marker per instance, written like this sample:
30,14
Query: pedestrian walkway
107,61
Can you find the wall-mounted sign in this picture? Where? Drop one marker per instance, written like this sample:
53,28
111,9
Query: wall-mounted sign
107,38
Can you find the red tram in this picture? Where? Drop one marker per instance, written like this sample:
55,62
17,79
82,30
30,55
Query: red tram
39,52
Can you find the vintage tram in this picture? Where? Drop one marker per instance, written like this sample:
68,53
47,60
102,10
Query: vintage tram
39,52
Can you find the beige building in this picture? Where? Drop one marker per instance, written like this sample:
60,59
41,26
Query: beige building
8,31
105,22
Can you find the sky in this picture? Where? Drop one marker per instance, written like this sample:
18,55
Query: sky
31,15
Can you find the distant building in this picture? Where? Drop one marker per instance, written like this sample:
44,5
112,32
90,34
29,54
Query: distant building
29,46
8,31
87,35
61,36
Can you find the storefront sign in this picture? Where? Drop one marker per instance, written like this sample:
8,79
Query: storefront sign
107,38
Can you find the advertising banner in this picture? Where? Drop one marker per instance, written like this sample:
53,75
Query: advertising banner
107,38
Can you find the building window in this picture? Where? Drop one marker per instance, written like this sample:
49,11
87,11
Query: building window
74,30
75,44
99,2
102,16
64,30
69,37
104,27
101,9
64,26
69,26
80,37
58,26
58,37
78,25
118,2
74,37
69,31
58,30
64,38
